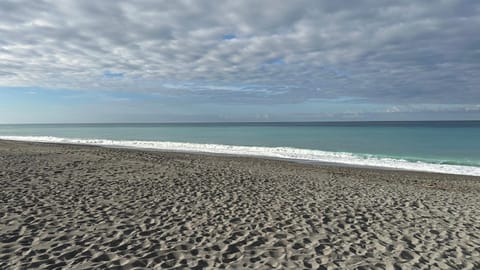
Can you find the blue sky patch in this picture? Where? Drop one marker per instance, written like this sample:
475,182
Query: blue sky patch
109,74
275,61
229,36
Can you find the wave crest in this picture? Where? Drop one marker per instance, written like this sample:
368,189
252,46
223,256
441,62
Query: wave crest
272,152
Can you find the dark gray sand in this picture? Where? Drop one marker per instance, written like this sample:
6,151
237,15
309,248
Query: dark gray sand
79,207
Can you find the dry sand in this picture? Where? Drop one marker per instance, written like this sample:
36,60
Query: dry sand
79,207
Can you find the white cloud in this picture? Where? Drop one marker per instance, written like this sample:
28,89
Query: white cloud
377,51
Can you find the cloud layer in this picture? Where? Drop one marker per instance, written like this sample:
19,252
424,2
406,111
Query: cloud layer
396,52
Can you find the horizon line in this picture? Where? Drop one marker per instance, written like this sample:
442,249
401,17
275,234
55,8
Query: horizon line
237,122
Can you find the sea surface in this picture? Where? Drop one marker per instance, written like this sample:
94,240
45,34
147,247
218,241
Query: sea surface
435,146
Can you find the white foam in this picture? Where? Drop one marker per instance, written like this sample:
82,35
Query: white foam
273,152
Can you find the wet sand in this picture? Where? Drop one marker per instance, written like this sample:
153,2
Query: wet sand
81,207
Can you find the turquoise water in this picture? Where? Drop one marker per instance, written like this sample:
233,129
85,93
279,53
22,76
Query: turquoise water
445,142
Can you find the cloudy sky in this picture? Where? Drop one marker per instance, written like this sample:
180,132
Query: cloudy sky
163,61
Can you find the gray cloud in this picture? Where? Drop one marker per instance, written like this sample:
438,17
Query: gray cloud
399,52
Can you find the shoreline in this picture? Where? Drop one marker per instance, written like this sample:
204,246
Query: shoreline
449,169
89,207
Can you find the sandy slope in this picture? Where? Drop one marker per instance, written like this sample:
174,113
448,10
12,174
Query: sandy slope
75,207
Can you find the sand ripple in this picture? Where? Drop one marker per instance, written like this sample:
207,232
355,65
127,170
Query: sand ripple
69,207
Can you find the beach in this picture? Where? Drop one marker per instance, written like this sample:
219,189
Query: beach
88,207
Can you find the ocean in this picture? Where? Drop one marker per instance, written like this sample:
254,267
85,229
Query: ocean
434,146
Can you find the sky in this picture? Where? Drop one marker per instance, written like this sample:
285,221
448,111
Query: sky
68,61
